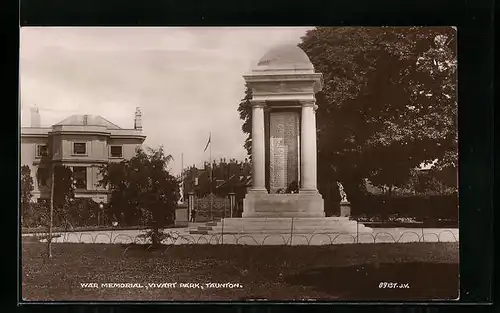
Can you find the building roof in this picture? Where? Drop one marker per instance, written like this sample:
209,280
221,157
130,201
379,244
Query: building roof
285,56
87,120
236,180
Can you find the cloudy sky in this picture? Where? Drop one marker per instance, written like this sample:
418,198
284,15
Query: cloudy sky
187,81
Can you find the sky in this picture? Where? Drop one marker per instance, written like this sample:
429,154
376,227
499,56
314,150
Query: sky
187,81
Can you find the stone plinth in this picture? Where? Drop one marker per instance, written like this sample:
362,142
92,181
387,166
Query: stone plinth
302,204
345,208
181,215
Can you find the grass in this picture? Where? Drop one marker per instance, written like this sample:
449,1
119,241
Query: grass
338,272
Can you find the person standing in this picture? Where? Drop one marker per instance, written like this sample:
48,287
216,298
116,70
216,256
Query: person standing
193,215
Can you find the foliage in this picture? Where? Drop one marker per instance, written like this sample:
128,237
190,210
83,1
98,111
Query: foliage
157,235
37,215
227,177
142,189
64,193
83,212
388,103
419,207
432,182
245,111
26,190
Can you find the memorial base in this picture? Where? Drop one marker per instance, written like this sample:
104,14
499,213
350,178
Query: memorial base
283,225
302,204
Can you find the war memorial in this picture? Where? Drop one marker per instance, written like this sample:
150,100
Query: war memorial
284,194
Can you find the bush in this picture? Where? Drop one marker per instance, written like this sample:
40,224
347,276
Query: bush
36,214
77,213
383,207
157,236
83,212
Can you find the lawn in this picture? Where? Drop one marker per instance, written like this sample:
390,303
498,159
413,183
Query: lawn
338,272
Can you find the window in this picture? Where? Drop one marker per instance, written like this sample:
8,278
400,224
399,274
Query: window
42,150
116,151
79,148
80,177
42,176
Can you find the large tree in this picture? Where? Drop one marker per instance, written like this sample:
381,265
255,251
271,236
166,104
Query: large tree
388,102
142,189
64,194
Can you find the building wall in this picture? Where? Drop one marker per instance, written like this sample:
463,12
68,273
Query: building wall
28,157
98,152
95,147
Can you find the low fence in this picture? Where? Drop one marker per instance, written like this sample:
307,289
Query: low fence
318,238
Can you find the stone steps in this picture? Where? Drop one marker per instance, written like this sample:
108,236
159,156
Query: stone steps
281,226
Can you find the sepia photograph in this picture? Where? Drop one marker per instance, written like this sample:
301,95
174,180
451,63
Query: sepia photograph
238,164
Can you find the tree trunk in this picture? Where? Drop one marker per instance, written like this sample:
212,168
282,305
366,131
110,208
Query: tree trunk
155,239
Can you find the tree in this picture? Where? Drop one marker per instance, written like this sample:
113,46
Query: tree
388,103
226,177
26,191
245,111
143,190
64,194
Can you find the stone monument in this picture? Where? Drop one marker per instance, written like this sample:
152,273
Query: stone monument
283,86
284,153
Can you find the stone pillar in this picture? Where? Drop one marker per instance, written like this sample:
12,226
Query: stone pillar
308,153
258,147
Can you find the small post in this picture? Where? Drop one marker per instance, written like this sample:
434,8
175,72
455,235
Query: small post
357,231
222,234
291,232
101,207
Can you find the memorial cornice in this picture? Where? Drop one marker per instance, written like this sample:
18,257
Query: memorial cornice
284,77
258,103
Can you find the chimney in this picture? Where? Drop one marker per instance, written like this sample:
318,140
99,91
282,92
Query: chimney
138,119
35,117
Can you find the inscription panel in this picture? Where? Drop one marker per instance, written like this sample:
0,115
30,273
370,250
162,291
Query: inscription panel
283,154
282,87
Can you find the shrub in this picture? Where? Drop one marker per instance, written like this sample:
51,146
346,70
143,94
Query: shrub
36,215
417,207
156,236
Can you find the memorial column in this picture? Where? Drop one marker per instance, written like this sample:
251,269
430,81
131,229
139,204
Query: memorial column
258,146
308,152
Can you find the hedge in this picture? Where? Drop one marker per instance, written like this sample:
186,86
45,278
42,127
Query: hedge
418,207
